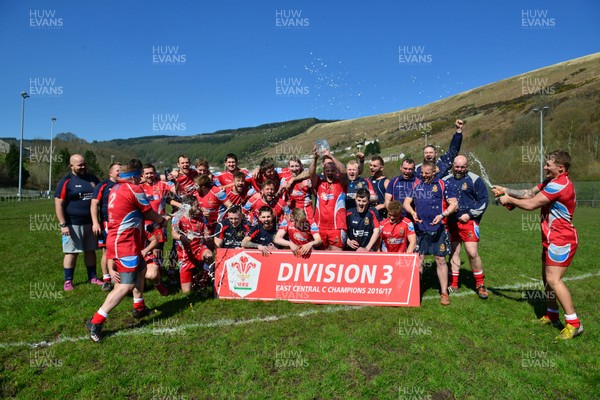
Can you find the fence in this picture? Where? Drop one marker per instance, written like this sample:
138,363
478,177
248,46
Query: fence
10,195
588,193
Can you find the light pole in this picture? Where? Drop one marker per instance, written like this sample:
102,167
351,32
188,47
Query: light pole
50,173
24,95
541,111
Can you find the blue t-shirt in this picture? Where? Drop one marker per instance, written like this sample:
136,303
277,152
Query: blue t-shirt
353,186
101,193
361,225
400,188
232,237
76,193
430,200
472,196
444,163
259,235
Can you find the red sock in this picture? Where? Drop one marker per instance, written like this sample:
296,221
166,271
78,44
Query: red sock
553,315
572,320
99,318
478,275
454,282
138,304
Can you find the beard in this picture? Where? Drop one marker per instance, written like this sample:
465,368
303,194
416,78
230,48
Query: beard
459,175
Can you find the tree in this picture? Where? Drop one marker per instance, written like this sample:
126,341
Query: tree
92,163
60,166
12,164
373,148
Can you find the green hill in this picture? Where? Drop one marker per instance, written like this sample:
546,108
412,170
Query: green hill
501,130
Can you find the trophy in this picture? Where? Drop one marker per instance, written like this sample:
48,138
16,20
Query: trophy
322,145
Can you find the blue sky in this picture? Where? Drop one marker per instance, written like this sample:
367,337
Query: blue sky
116,69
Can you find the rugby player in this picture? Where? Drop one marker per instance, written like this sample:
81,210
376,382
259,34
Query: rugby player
127,208
363,224
266,198
555,196
262,234
298,234
432,204
210,198
152,262
225,178
397,233
240,191
158,193
297,185
443,164
330,211
355,183
400,186
380,184
99,212
195,258
72,204
464,224
184,176
233,230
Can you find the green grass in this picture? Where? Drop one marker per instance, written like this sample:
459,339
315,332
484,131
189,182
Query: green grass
472,349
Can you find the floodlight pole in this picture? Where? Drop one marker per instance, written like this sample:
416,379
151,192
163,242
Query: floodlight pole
24,95
541,111
50,173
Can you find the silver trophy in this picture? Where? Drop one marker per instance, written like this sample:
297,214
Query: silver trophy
322,145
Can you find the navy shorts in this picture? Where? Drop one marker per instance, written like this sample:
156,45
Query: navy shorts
434,243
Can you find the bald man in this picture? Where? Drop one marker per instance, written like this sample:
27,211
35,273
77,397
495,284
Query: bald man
463,225
72,202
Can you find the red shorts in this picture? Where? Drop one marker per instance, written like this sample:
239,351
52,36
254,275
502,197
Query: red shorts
150,258
559,256
187,269
129,264
333,237
187,266
464,231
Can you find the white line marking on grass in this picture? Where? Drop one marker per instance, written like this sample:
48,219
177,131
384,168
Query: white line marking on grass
234,322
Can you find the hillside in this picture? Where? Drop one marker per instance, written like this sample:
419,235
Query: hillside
501,130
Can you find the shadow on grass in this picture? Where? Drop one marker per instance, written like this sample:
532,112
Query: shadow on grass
163,312
535,298
429,278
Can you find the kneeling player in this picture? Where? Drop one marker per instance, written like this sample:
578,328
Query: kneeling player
302,235
262,234
363,224
194,256
233,230
397,233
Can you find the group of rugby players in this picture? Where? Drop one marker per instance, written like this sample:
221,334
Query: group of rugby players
433,209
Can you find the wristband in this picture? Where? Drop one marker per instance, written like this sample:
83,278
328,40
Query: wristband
63,225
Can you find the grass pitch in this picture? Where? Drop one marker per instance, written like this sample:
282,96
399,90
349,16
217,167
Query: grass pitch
197,348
